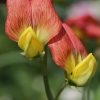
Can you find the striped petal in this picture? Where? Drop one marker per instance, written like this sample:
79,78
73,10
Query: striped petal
60,47
78,46
69,53
18,18
39,14
66,49
46,23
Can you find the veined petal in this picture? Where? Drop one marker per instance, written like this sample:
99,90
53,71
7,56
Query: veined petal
78,46
45,20
65,49
69,53
18,18
60,47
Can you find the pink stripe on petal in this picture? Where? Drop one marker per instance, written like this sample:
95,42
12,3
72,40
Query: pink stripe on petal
44,19
18,18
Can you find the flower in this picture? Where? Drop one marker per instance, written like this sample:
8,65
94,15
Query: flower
31,23
69,53
83,18
84,26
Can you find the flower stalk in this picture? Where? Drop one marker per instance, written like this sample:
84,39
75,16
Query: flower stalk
43,63
60,91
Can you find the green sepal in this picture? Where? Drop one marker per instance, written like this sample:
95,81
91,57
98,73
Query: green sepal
37,57
75,88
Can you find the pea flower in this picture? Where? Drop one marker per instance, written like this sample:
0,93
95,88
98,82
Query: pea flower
83,18
85,26
31,23
69,53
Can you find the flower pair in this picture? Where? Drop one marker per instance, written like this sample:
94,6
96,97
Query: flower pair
33,23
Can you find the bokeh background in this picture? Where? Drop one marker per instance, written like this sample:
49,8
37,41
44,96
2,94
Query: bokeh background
21,79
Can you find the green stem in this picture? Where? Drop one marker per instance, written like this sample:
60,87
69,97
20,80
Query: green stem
88,90
88,93
59,92
43,63
83,96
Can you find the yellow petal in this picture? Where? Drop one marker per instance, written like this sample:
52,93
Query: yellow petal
29,43
70,63
95,66
84,70
82,65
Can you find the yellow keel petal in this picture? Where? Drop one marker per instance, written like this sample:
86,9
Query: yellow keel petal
84,70
30,43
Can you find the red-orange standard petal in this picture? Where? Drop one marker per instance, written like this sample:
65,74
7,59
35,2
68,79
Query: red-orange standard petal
63,44
45,21
60,46
39,14
78,46
18,18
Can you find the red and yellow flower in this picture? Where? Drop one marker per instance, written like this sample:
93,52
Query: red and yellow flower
31,23
85,26
69,53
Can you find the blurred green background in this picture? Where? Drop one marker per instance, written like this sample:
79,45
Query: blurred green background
21,79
